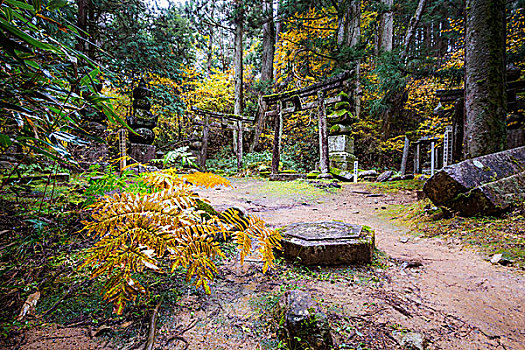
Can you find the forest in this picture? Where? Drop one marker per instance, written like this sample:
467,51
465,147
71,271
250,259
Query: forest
272,174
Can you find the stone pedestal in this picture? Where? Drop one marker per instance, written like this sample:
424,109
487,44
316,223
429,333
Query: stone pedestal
341,143
341,149
328,243
142,153
342,160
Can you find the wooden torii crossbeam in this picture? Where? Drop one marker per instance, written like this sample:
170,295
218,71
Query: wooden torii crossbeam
237,125
294,99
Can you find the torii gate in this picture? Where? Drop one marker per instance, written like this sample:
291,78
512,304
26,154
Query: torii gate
230,121
294,98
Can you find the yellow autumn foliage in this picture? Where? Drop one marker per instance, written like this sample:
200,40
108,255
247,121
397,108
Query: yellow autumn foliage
136,232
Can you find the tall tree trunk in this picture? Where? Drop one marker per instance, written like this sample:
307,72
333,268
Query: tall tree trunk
278,27
387,26
396,100
82,24
268,53
209,54
237,109
412,26
485,93
349,33
268,41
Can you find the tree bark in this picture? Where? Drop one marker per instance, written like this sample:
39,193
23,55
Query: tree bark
387,26
485,93
268,42
209,54
237,109
276,152
82,23
349,33
396,100
266,67
412,26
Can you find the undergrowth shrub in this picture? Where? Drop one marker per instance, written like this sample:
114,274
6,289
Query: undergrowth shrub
143,231
227,162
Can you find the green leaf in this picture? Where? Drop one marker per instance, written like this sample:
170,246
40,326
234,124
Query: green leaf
20,5
90,76
23,36
5,141
56,4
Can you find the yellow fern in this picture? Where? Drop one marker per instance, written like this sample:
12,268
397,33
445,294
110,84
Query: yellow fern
134,231
206,180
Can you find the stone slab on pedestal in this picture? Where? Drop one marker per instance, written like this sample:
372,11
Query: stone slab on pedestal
328,243
142,153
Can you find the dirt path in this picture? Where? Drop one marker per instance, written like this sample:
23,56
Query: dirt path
454,284
455,299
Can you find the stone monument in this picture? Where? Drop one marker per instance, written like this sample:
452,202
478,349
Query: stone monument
340,140
328,243
142,121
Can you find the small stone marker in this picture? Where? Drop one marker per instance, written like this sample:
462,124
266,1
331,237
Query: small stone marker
302,324
328,243
355,171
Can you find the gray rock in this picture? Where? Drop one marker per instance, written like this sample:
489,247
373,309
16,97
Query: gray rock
480,186
286,177
367,173
496,258
421,177
385,176
328,243
325,176
413,341
142,153
344,176
302,324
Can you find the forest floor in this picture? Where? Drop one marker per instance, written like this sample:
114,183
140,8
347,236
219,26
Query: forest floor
434,286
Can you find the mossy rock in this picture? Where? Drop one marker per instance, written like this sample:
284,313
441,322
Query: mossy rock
206,208
335,171
265,173
344,96
289,171
342,105
312,175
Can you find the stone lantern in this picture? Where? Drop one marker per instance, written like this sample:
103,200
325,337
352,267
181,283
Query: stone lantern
142,121
340,140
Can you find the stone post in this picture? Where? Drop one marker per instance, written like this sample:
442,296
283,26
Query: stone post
323,135
276,156
405,156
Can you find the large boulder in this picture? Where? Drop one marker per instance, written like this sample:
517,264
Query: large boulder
302,324
480,186
328,243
